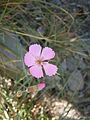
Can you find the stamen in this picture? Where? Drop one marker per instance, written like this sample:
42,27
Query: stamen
39,61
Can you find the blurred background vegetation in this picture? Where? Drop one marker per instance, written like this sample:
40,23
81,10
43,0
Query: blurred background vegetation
61,25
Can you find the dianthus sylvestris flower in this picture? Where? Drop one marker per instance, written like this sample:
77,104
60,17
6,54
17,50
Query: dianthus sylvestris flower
41,86
35,60
34,88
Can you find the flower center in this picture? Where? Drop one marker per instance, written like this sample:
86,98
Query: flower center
39,61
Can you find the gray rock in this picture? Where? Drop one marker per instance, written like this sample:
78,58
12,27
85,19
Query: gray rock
76,81
63,66
71,64
88,108
82,65
53,82
11,47
41,30
54,1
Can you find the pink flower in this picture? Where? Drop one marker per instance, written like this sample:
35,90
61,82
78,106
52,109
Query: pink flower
41,86
36,88
35,59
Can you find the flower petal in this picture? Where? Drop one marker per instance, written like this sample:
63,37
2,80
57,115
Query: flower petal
41,86
50,69
29,59
36,71
47,53
35,50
